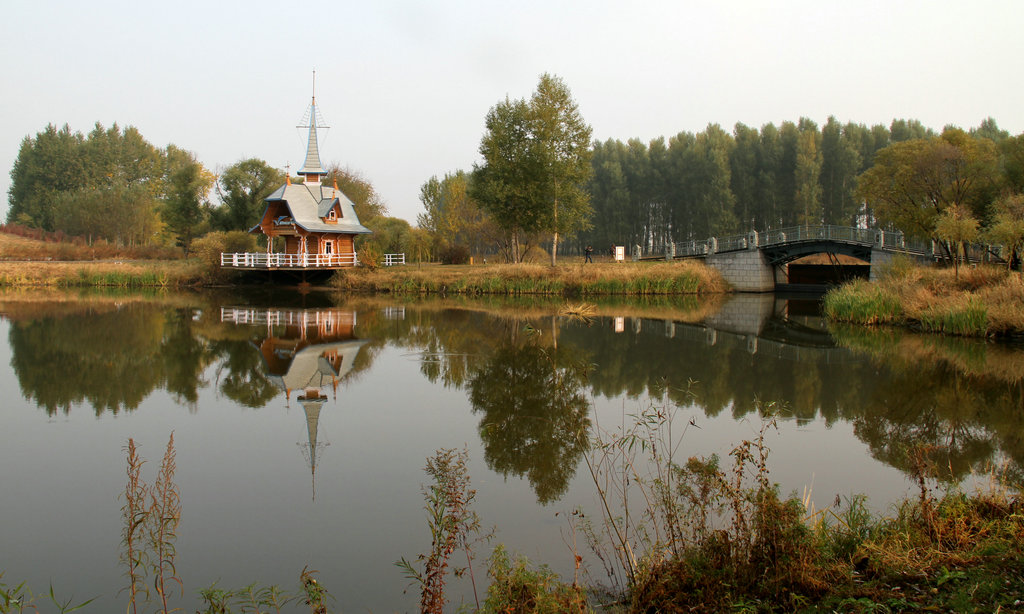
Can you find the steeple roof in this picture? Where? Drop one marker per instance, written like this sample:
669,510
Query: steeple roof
312,164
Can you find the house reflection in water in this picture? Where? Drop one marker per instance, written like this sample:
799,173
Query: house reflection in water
305,351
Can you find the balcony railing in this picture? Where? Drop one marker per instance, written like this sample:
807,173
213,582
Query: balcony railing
263,260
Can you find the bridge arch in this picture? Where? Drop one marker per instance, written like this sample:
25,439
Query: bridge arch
784,253
753,262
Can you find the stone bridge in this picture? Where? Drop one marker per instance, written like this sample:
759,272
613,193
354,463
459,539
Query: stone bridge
757,261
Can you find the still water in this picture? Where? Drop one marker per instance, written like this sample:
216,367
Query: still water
302,424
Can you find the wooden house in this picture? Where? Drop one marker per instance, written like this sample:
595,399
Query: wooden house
318,223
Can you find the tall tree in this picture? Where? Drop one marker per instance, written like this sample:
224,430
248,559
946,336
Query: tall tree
451,215
241,189
365,199
989,129
840,165
1011,152
610,198
185,199
807,175
1008,227
913,182
503,183
743,170
103,185
536,162
562,142
49,164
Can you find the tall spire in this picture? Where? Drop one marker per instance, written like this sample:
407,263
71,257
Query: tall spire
312,402
311,168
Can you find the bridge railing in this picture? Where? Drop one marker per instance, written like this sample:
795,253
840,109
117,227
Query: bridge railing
895,241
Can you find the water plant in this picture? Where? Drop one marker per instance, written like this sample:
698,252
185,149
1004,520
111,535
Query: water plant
164,517
134,513
516,586
453,525
150,516
20,599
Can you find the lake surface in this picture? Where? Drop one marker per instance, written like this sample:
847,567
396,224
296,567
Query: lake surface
302,423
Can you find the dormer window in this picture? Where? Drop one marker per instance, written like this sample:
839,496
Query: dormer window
332,215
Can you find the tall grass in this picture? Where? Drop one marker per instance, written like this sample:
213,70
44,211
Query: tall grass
698,535
982,301
100,274
860,302
636,279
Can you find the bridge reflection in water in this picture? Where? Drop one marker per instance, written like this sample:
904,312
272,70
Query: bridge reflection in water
309,351
767,324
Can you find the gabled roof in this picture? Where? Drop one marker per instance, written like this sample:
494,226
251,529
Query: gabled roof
309,368
309,202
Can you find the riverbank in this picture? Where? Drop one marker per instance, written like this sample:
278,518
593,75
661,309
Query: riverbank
569,280
982,301
104,273
602,279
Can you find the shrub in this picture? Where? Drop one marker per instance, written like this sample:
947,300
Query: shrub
518,588
209,247
454,254
369,255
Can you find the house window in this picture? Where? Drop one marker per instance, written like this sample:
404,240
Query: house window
332,215
329,247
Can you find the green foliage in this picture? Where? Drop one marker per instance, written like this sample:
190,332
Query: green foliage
1007,229
969,318
861,302
20,599
241,189
534,415
313,593
367,202
390,234
452,216
536,162
914,182
185,208
515,587
111,184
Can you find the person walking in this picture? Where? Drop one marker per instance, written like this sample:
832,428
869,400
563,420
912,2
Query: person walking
587,251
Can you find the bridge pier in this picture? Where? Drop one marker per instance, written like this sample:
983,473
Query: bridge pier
746,271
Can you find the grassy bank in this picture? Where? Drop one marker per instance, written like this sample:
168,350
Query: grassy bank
979,302
635,279
133,274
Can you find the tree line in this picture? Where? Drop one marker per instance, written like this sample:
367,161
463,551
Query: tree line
113,185
954,186
542,186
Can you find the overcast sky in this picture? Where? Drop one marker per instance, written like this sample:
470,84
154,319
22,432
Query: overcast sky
405,86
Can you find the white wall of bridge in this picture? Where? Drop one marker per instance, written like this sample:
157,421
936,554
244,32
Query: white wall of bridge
746,270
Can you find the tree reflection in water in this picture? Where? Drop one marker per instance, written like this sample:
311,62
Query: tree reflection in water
535,416
962,400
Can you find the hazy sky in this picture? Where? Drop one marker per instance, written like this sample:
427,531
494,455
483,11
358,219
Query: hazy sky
405,85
